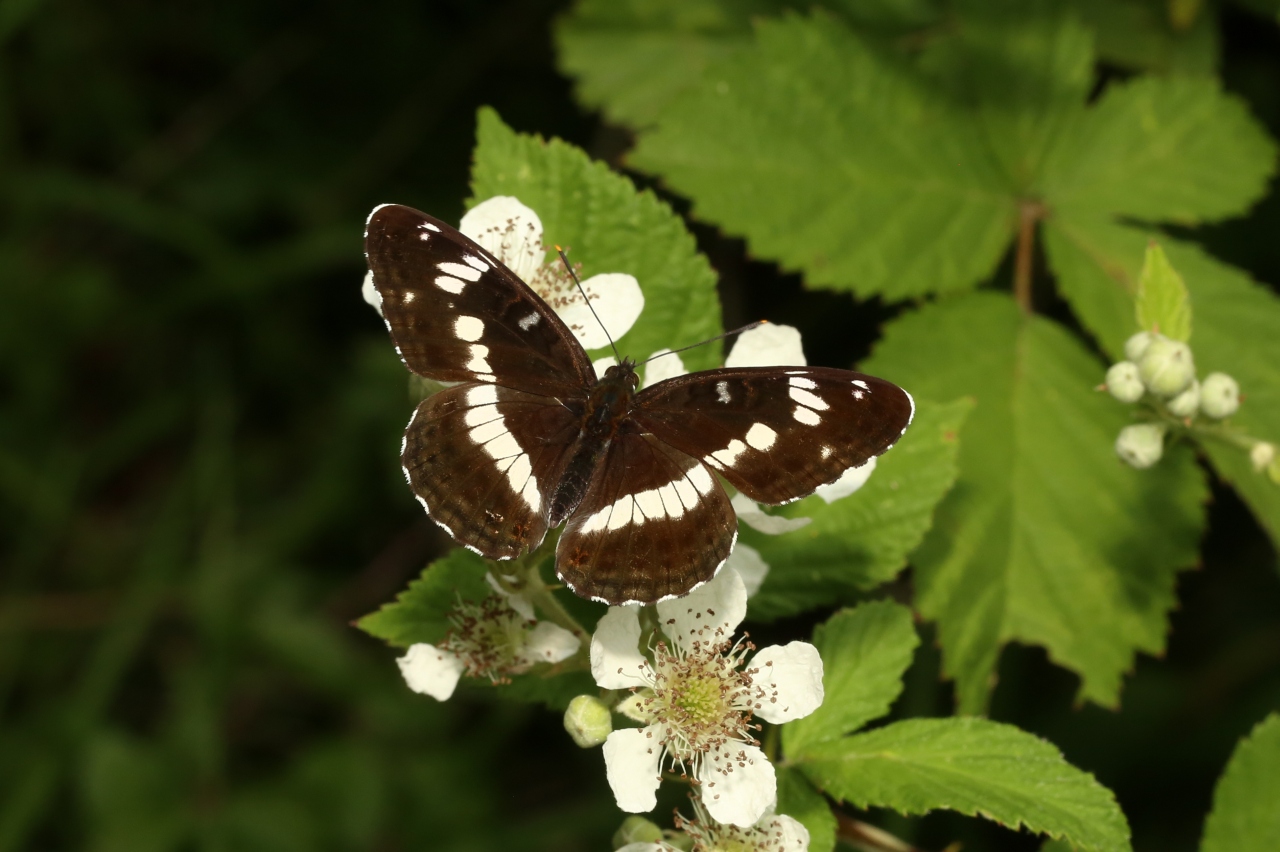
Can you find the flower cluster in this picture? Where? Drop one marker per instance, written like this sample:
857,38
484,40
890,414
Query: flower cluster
696,695
771,833
493,639
1162,372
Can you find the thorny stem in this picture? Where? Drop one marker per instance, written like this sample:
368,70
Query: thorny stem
1029,213
868,838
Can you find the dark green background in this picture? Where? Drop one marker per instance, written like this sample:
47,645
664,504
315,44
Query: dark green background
199,424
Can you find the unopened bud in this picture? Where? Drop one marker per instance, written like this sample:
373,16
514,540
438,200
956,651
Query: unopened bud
1219,395
1167,367
636,829
588,721
1262,455
1186,403
1135,346
1124,382
1141,444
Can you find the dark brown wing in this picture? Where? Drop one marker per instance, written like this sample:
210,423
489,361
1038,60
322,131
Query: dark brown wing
485,461
653,524
457,314
776,433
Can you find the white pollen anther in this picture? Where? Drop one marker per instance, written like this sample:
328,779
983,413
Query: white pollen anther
469,329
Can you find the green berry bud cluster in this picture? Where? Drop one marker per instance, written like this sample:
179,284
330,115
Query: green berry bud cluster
1162,373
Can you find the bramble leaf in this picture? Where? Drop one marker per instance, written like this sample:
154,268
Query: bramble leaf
1162,302
1046,537
975,767
420,612
1245,815
608,226
798,799
862,540
864,654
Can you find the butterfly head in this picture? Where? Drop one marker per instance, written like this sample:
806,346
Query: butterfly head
622,376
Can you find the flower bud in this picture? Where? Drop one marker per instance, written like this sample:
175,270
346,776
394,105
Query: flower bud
635,829
1141,444
1136,345
1124,382
1262,455
1167,367
1186,403
1219,395
588,721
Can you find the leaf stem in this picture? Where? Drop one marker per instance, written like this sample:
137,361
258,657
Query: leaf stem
868,838
1029,212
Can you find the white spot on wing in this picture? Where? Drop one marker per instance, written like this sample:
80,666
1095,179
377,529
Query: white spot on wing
805,398
469,329
530,321
650,503
430,227
801,382
860,383
481,414
408,297
807,416
487,431
722,391
482,396
700,478
460,270
478,362
476,263
729,454
761,437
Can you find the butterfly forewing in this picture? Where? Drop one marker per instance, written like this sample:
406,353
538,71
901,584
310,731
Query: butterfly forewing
776,433
456,314
653,524
484,461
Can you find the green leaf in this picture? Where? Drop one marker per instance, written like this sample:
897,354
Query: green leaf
861,173
975,767
1138,34
1246,803
609,227
798,799
1046,538
1162,303
1097,264
420,612
864,653
1153,149
861,541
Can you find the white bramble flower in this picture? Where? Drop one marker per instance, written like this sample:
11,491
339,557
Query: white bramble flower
698,700
494,638
512,232
771,833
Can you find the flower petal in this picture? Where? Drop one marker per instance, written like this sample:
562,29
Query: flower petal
616,661
549,643
644,847
662,365
370,293
767,345
751,567
618,302
631,760
510,231
751,515
850,481
709,614
791,677
738,784
431,671
789,832
516,601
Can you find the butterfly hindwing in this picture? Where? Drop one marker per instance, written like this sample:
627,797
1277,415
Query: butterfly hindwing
652,524
776,433
457,314
485,461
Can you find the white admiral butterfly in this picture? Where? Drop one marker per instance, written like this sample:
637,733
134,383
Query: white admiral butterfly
532,438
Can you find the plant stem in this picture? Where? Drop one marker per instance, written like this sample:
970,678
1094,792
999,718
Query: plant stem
867,837
1029,212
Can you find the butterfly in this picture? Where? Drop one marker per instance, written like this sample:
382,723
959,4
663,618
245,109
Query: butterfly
531,438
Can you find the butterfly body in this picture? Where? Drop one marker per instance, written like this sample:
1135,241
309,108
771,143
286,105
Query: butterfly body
532,438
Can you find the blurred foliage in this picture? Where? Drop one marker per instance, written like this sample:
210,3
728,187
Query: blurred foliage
199,423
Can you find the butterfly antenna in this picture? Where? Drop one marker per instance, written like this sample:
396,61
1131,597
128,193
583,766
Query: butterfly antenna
564,258
746,327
